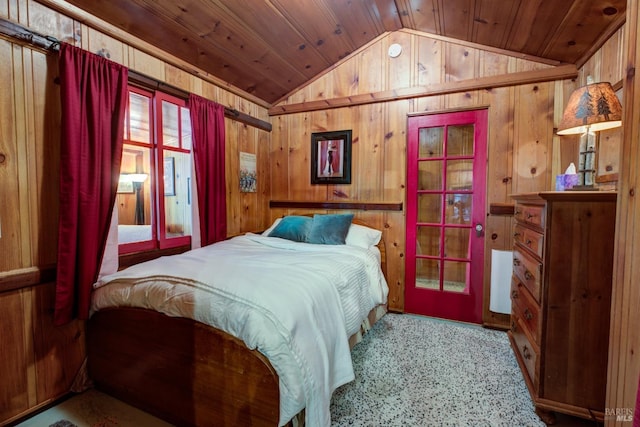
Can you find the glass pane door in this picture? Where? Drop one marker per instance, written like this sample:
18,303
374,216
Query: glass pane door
445,214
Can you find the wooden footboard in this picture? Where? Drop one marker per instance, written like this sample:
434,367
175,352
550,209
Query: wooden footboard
182,371
186,372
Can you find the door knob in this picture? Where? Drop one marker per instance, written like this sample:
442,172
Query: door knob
479,230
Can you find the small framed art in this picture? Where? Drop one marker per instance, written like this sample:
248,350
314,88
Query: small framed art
331,157
169,176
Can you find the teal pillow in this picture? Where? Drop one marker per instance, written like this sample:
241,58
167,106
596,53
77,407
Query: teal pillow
295,228
329,229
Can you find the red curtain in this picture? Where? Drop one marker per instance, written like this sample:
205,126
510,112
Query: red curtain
93,92
207,123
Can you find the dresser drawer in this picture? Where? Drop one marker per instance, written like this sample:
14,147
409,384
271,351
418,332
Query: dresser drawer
525,351
529,271
530,214
525,308
529,238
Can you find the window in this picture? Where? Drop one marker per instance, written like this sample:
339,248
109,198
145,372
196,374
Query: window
154,191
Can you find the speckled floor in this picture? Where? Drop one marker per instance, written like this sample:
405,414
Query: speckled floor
451,375
419,371
410,371
93,409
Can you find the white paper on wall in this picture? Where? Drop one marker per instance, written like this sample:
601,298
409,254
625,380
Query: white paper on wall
501,268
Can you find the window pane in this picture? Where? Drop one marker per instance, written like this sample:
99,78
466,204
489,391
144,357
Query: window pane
456,275
460,140
134,199
177,193
458,209
186,128
170,124
430,142
429,208
430,175
456,243
139,118
428,241
427,273
460,174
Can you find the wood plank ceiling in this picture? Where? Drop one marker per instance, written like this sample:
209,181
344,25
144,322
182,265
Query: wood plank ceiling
270,47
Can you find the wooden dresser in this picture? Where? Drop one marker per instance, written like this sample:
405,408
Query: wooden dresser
561,298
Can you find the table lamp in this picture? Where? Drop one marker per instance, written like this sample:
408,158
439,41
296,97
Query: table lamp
591,108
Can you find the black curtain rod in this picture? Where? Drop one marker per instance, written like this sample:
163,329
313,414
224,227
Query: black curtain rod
50,43
19,32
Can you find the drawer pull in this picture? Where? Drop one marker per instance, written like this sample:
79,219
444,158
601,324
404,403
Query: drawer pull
525,352
530,215
528,275
514,294
516,262
527,314
516,234
529,242
514,327
517,212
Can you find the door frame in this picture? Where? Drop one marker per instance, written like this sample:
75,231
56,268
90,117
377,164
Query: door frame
436,303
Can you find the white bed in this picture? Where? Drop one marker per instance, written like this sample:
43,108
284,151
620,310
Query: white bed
133,233
296,303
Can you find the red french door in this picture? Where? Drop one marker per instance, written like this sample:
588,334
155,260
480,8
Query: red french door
446,192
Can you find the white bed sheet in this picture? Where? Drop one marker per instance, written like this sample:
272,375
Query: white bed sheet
133,233
297,303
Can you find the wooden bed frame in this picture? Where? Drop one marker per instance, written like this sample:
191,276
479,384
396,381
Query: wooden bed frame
183,371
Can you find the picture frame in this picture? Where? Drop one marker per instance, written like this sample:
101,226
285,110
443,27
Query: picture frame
169,176
331,157
248,176
125,187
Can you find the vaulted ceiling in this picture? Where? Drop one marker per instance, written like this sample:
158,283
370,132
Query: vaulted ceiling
270,47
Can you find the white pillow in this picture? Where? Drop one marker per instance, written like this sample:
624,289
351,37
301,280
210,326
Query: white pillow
270,229
362,236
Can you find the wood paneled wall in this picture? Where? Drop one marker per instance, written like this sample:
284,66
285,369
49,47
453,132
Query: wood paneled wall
39,362
606,65
521,136
624,337
524,155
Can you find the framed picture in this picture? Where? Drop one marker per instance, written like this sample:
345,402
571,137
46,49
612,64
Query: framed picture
248,173
169,176
331,157
125,186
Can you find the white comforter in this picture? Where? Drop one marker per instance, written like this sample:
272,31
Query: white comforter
296,303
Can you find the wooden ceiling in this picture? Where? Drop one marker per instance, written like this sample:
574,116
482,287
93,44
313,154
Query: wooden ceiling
270,47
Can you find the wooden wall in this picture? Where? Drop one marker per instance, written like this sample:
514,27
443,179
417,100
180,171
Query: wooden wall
38,362
618,158
521,136
606,65
524,154
624,337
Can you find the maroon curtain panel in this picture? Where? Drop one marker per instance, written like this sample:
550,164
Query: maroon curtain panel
207,123
93,92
